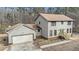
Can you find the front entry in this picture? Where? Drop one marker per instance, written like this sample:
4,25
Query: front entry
39,30
55,32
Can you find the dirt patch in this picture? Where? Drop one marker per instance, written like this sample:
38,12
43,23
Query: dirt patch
44,41
2,46
3,35
70,46
75,36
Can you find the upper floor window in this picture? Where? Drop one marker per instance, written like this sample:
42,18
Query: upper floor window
53,23
62,22
69,22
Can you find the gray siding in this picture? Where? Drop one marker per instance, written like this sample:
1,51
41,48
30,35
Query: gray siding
19,31
58,27
44,25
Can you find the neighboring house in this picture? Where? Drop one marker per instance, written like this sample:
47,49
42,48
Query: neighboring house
49,25
21,33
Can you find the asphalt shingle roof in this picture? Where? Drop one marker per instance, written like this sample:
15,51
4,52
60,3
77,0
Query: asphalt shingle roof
31,26
55,17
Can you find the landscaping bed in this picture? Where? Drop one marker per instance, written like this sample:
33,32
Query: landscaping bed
43,41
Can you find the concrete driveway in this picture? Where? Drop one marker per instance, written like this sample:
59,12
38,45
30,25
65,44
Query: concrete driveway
23,47
70,46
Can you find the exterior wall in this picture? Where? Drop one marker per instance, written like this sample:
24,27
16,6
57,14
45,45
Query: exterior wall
44,25
58,27
38,33
19,31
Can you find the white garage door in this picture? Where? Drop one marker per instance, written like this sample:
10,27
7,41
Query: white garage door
22,39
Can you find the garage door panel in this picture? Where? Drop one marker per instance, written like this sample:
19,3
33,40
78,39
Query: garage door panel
22,39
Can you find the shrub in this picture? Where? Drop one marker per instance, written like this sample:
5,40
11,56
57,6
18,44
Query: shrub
63,35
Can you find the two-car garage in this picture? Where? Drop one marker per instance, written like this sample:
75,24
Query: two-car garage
21,33
22,38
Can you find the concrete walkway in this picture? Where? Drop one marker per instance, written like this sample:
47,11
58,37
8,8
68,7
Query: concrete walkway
69,46
54,44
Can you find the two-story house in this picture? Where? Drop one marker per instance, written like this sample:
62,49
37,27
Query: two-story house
49,25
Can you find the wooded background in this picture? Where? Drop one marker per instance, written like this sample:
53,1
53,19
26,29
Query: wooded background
14,15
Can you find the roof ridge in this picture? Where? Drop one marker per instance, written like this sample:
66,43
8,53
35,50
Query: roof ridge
51,13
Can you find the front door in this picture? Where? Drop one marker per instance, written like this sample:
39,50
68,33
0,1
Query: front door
38,32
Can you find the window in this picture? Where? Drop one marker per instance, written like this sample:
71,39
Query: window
62,22
53,23
39,22
70,30
55,32
38,30
67,30
61,30
69,22
50,32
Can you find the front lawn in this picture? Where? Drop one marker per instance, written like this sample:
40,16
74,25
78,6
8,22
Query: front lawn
43,41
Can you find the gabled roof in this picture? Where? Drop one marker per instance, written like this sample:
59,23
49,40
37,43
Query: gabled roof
31,26
12,27
54,17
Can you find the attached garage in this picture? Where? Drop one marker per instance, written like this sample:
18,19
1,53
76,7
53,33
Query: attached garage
21,33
